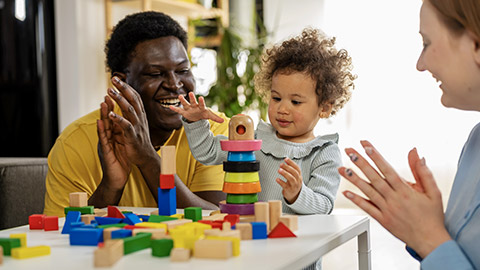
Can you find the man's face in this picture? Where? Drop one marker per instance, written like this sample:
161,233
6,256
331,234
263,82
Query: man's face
160,71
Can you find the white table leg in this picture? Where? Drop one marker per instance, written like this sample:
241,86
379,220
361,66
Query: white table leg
364,260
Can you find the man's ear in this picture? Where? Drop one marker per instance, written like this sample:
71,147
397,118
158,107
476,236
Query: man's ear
120,75
476,47
326,110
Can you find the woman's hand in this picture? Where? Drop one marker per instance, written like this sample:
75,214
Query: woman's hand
193,111
293,174
411,212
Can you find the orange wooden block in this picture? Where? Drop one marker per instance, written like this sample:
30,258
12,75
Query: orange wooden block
241,128
242,188
167,153
281,231
78,199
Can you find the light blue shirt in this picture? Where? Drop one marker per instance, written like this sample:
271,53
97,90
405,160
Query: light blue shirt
462,217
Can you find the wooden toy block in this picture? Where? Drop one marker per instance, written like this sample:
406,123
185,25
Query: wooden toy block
143,218
85,237
178,216
83,210
235,243
109,254
167,181
107,233
199,228
122,233
8,244
72,217
241,156
259,230
50,223
214,212
193,213
179,255
162,247
153,225
158,219
247,218
230,233
226,226
241,146
1,255
186,241
22,237
291,221
99,212
87,219
155,212
108,220
174,223
167,153
78,199
131,219
245,177
136,243
245,230
36,221
114,212
167,201
156,233
232,218
117,225
213,231
238,208
262,213
212,249
275,211
241,128
30,252
281,231
250,166
242,188
242,198
215,217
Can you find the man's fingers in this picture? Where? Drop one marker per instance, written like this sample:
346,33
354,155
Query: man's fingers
124,124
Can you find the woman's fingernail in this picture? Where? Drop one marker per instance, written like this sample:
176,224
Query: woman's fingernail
349,172
348,194
368,150
353,157
423,162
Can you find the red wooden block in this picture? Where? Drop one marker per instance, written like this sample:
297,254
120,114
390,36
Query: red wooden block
167,181
51,223
114,212
208,222
233,219
36,221
217,224
101,244
131,227
281,231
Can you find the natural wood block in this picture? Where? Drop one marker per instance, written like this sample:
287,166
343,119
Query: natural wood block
107,233
215,217
247,218
212,249
262,213
245,230
226,226
291,221
78,199
156,233
179,255
109,254
241,128
275,211
1,255
87,219
167,153
174,223
99,212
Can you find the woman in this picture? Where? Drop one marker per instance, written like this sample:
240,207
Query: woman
413,212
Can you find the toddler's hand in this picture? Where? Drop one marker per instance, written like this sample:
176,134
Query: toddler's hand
291,188
193,111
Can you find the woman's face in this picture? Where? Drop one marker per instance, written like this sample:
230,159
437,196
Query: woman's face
452,59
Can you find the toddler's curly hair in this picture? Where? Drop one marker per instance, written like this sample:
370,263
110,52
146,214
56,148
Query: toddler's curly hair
314,54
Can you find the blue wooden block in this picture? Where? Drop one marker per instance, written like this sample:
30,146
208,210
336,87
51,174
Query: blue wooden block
122,233
259,230
85,237
167,201
131,219
107,220
144,218
89,226
241,156
72,216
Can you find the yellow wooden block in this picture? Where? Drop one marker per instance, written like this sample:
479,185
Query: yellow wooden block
152,225
235,243
30,252
22,237
179,216
181,231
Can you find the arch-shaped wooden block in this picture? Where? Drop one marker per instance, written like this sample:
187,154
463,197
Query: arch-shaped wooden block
241,128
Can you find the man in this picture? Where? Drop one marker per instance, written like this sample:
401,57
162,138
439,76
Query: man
113,155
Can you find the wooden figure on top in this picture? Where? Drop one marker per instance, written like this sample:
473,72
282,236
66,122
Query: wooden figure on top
241,128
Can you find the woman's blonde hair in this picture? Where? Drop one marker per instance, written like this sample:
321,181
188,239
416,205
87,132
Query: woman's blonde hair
315,55
459,15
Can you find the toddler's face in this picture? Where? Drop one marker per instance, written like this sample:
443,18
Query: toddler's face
293,108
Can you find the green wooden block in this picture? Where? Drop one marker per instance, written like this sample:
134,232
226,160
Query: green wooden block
158,219
9,243
85,210
242,198
119,225
126,212
193,213
162,247
136,243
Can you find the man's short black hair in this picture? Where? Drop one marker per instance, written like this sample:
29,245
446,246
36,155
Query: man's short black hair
136,28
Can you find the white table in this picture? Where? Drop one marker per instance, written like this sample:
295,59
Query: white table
317,235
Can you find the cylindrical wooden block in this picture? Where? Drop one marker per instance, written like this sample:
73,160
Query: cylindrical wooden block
242,198
245,166
241,146
245,177
242,188
241,156
237,209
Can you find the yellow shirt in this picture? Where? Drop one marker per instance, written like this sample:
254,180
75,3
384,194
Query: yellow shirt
74,166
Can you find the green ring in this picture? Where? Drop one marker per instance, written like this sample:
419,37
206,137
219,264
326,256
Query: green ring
242,198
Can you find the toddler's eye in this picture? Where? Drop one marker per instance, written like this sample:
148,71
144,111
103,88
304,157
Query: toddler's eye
296,102
276,98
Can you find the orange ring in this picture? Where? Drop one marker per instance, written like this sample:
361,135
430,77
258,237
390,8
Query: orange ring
242,188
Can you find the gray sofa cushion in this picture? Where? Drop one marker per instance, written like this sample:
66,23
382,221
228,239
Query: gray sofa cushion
22,189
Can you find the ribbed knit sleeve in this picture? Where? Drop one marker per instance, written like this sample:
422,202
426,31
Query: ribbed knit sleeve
204,145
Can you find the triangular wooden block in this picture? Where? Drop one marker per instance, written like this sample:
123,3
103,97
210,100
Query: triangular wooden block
281,231
114,212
